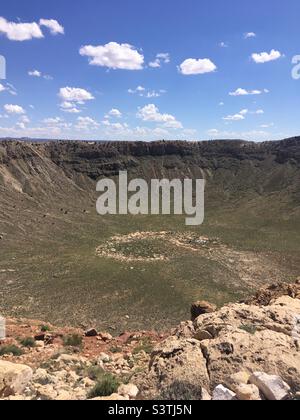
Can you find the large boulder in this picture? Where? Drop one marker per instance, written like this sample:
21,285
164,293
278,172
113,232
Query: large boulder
13,378
201,308
237,339
177,370
272,386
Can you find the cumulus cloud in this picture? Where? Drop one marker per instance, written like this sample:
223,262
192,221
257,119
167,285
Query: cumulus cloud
192,66
151,113
245,92
159,60
20,31
86,123
52,121
14,109
115,113
143,92
34,73
248,35
265,57
53,25
77,95
37,73
113,56
242,115
235,117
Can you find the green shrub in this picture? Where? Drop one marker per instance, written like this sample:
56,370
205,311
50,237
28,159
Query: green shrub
45,328
28,342
95,373
73,340
145,345
105,386
115,350
11,349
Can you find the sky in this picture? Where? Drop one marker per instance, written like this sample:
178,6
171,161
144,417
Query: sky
139,70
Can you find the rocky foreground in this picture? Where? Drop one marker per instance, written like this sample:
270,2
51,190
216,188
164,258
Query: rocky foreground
244,351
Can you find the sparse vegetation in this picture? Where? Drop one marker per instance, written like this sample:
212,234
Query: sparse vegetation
115,349
28,342
73,340
45,328
95,373
181,391
144,345
11,349
108,384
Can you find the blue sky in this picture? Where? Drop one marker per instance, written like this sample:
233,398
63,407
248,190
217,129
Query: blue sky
172,69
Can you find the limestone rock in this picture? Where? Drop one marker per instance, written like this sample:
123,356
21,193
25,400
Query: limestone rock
129,390
13,378
201,308
247,392
223,394
273,387
105,336
178,366
206,395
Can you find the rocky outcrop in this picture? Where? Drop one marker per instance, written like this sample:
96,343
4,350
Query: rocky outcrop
13,378
253,351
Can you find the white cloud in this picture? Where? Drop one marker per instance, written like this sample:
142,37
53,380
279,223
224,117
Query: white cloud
115,113
244,92
192,66
86,123
265,57
221,104
76,95
14,109
37,73
69,107
53,25
2,88
267,125
34,73
24,119
248,35
160,59
223,44
213,132
52,121
242,114
20,31
137,90
114,56
151,113
254,135
235,117
141,91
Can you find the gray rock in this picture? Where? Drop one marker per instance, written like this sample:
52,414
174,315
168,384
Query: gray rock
223,394
273,387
